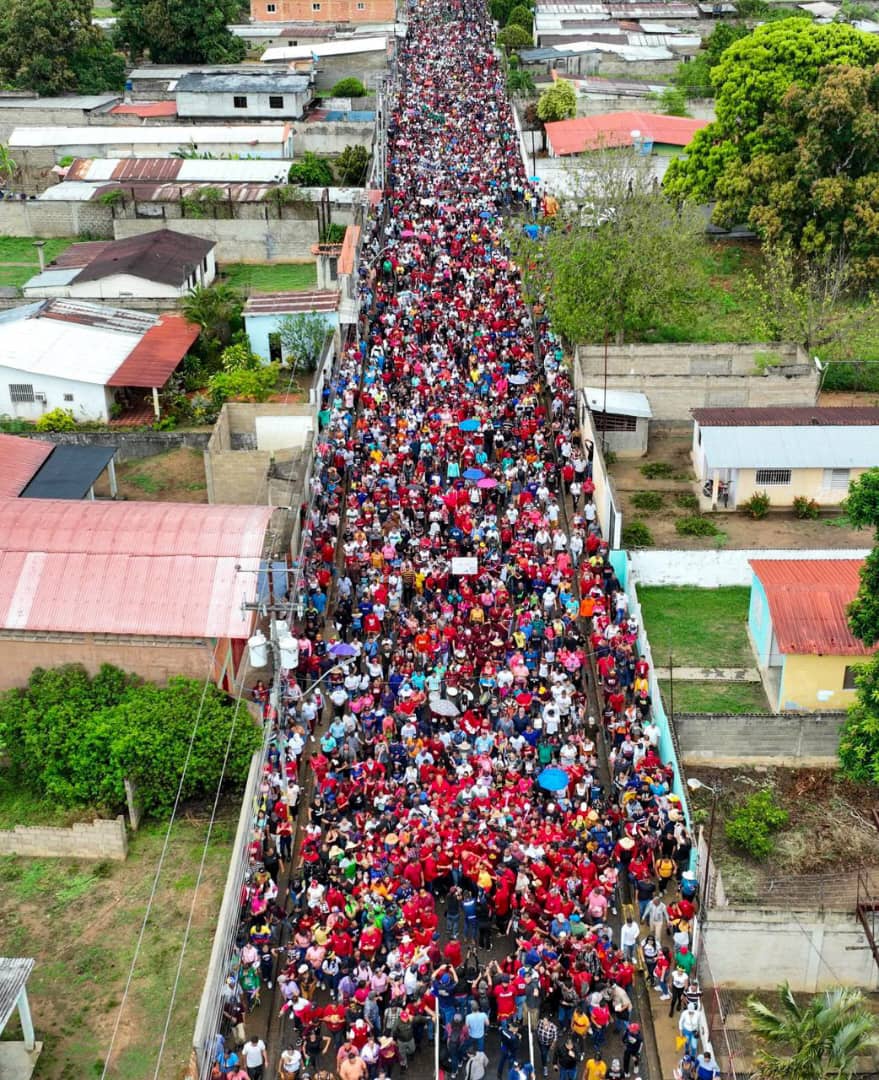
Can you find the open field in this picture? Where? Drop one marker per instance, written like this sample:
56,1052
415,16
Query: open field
698,627
81,920
271,277
175,476
714,696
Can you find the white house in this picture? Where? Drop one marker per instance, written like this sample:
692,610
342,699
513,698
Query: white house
262,95
68,354
156,265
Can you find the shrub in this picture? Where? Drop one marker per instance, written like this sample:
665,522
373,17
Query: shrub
514,37
751,825
349,88
243,383
351,165
695,526
56,420
686,500
757,507
805,509
75,738
239,356
636,534
657,470
647,500
312,171
521,16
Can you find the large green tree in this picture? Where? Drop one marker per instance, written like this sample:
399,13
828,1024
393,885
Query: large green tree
753,81
862,509
619,255
557,102
821,1040
859,738
179,31
52,47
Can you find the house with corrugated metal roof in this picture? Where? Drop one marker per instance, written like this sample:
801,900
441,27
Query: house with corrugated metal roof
256,95
161,589
92,360
802,452
798,627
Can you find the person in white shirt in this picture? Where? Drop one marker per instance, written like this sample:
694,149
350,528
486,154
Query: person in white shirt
253,1054
629,934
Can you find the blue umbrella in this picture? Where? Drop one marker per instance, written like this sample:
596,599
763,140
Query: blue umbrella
534,179
469,425
520,379
343,649
474,474
485,215
553,779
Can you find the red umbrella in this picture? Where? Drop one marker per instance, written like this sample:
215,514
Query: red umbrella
523,699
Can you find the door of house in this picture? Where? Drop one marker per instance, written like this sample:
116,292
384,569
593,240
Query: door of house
776,659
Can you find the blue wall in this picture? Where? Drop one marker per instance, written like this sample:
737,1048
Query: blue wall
760,621
259,327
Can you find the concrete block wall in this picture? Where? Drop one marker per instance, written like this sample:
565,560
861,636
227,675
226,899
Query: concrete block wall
48,219
812,949
99,840
790,739
130,446
679,378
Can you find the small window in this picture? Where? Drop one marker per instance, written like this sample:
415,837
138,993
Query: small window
614,422
68,397
276,101
315,7
334,269
239,101
773,477
271,9
361,7
836,479
848,678
21,392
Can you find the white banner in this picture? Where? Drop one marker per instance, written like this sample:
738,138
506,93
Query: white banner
465,567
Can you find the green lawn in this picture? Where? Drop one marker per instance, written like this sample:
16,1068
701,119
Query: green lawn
80,920
276,277
20,249
697,627
714,697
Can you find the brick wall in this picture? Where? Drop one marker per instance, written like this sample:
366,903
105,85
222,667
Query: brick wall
99,840
678,378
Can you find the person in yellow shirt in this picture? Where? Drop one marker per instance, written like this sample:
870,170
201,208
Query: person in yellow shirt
595,1069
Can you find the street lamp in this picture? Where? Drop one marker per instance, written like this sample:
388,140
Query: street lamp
695,784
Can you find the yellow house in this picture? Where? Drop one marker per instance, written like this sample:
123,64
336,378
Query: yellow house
797,622
786,452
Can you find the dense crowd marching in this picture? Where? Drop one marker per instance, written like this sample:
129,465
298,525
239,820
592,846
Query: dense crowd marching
438,884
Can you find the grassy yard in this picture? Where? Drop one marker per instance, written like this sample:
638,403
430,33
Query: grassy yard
19,261
80,920
715,697
274,277
697,627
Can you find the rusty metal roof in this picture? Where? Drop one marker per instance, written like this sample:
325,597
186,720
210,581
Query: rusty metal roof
157,354
19,460
788,416
290,303
808,599
167,570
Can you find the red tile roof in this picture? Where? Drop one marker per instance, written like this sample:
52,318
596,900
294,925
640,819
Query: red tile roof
615,129
808,600
20,459
160,569
145,108
157,354
789,416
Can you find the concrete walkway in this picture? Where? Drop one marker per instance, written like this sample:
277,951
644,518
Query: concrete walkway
710,674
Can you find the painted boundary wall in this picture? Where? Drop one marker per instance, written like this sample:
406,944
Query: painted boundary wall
130,446
712,569
609,516
794,740
812,949
101,839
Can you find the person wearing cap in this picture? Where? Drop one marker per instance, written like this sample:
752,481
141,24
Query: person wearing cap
633,1041
689,1025
595,1068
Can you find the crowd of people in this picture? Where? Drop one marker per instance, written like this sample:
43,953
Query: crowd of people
453,886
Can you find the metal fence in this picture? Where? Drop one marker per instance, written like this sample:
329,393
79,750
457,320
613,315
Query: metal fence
728,1042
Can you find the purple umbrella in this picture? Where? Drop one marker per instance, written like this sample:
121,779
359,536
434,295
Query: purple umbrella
342,649
487,482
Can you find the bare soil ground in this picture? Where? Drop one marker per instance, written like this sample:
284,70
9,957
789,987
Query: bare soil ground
175,476
779,530
829,838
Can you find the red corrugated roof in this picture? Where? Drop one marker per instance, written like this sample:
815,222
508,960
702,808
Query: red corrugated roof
19,461
166,570
163,169
157,354
615,129
808,600
145,108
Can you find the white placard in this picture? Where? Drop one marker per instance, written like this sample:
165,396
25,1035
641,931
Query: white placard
465,567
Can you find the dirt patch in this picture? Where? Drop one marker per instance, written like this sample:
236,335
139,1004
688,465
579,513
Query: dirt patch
671,447
830,836
175,476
